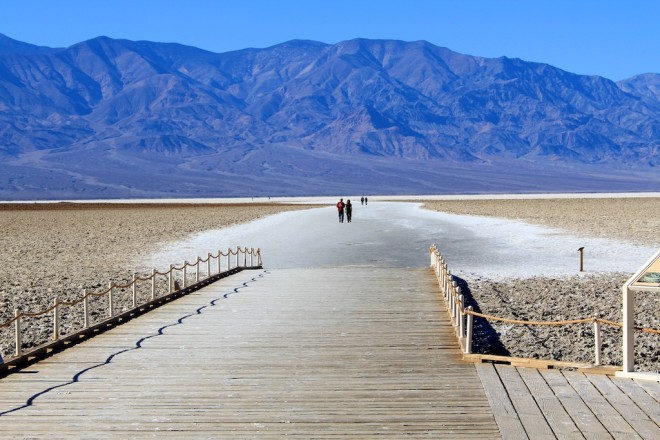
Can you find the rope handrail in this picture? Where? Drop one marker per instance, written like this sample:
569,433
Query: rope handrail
10,321
550,323
139,278
524,322
36,314
567,322
647,330
88,294
612,323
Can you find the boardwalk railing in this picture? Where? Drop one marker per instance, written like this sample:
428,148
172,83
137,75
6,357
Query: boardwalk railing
462,317
140,295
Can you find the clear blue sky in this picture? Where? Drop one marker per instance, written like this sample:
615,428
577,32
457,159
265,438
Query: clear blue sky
614,39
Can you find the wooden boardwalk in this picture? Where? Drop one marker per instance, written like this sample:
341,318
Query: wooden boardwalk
310,353
548,404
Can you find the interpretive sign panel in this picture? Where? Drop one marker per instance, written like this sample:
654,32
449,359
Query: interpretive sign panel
649,276
646,280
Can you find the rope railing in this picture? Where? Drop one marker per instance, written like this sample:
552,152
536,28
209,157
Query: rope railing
174,274
462,317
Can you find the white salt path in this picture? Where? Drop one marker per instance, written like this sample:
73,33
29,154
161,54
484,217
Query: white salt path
397,235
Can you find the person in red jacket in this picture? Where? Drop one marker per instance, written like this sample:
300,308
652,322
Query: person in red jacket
340,208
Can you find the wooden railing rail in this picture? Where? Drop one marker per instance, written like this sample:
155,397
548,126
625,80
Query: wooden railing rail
176,278
462,318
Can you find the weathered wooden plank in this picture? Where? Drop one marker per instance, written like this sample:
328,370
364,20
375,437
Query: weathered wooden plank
626,407
616,425
505,414
651,387
523,362
640,396
554,412
525,405
582,416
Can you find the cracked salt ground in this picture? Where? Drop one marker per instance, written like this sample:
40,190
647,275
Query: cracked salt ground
395,234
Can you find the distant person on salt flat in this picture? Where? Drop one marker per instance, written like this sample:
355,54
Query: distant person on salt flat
362,200
349,210
340,208
366,200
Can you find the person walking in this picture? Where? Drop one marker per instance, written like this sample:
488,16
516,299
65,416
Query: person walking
362,200
340,208
366,201
349,210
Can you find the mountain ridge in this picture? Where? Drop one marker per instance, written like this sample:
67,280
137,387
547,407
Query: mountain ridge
414,105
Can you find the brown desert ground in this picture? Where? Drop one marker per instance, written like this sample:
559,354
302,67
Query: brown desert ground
59,249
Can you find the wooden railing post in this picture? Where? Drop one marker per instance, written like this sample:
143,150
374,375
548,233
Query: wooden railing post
457,304
170,279
228,258
208,266
597,340
452,304
56,320
237,254
461,316
134,286
197,270
443,280
17,330
450,307
245,256
153,283
219,264
470,331
448,282
111,305
185,271
85,309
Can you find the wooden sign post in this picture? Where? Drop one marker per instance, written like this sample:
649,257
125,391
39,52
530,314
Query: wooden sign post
581,251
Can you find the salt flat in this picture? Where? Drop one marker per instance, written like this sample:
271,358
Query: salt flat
397,234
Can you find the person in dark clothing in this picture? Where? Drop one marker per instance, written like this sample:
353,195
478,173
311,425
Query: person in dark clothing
349,210
340,208
362,200
366,201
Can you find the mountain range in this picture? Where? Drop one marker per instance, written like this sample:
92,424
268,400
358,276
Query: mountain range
110,118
